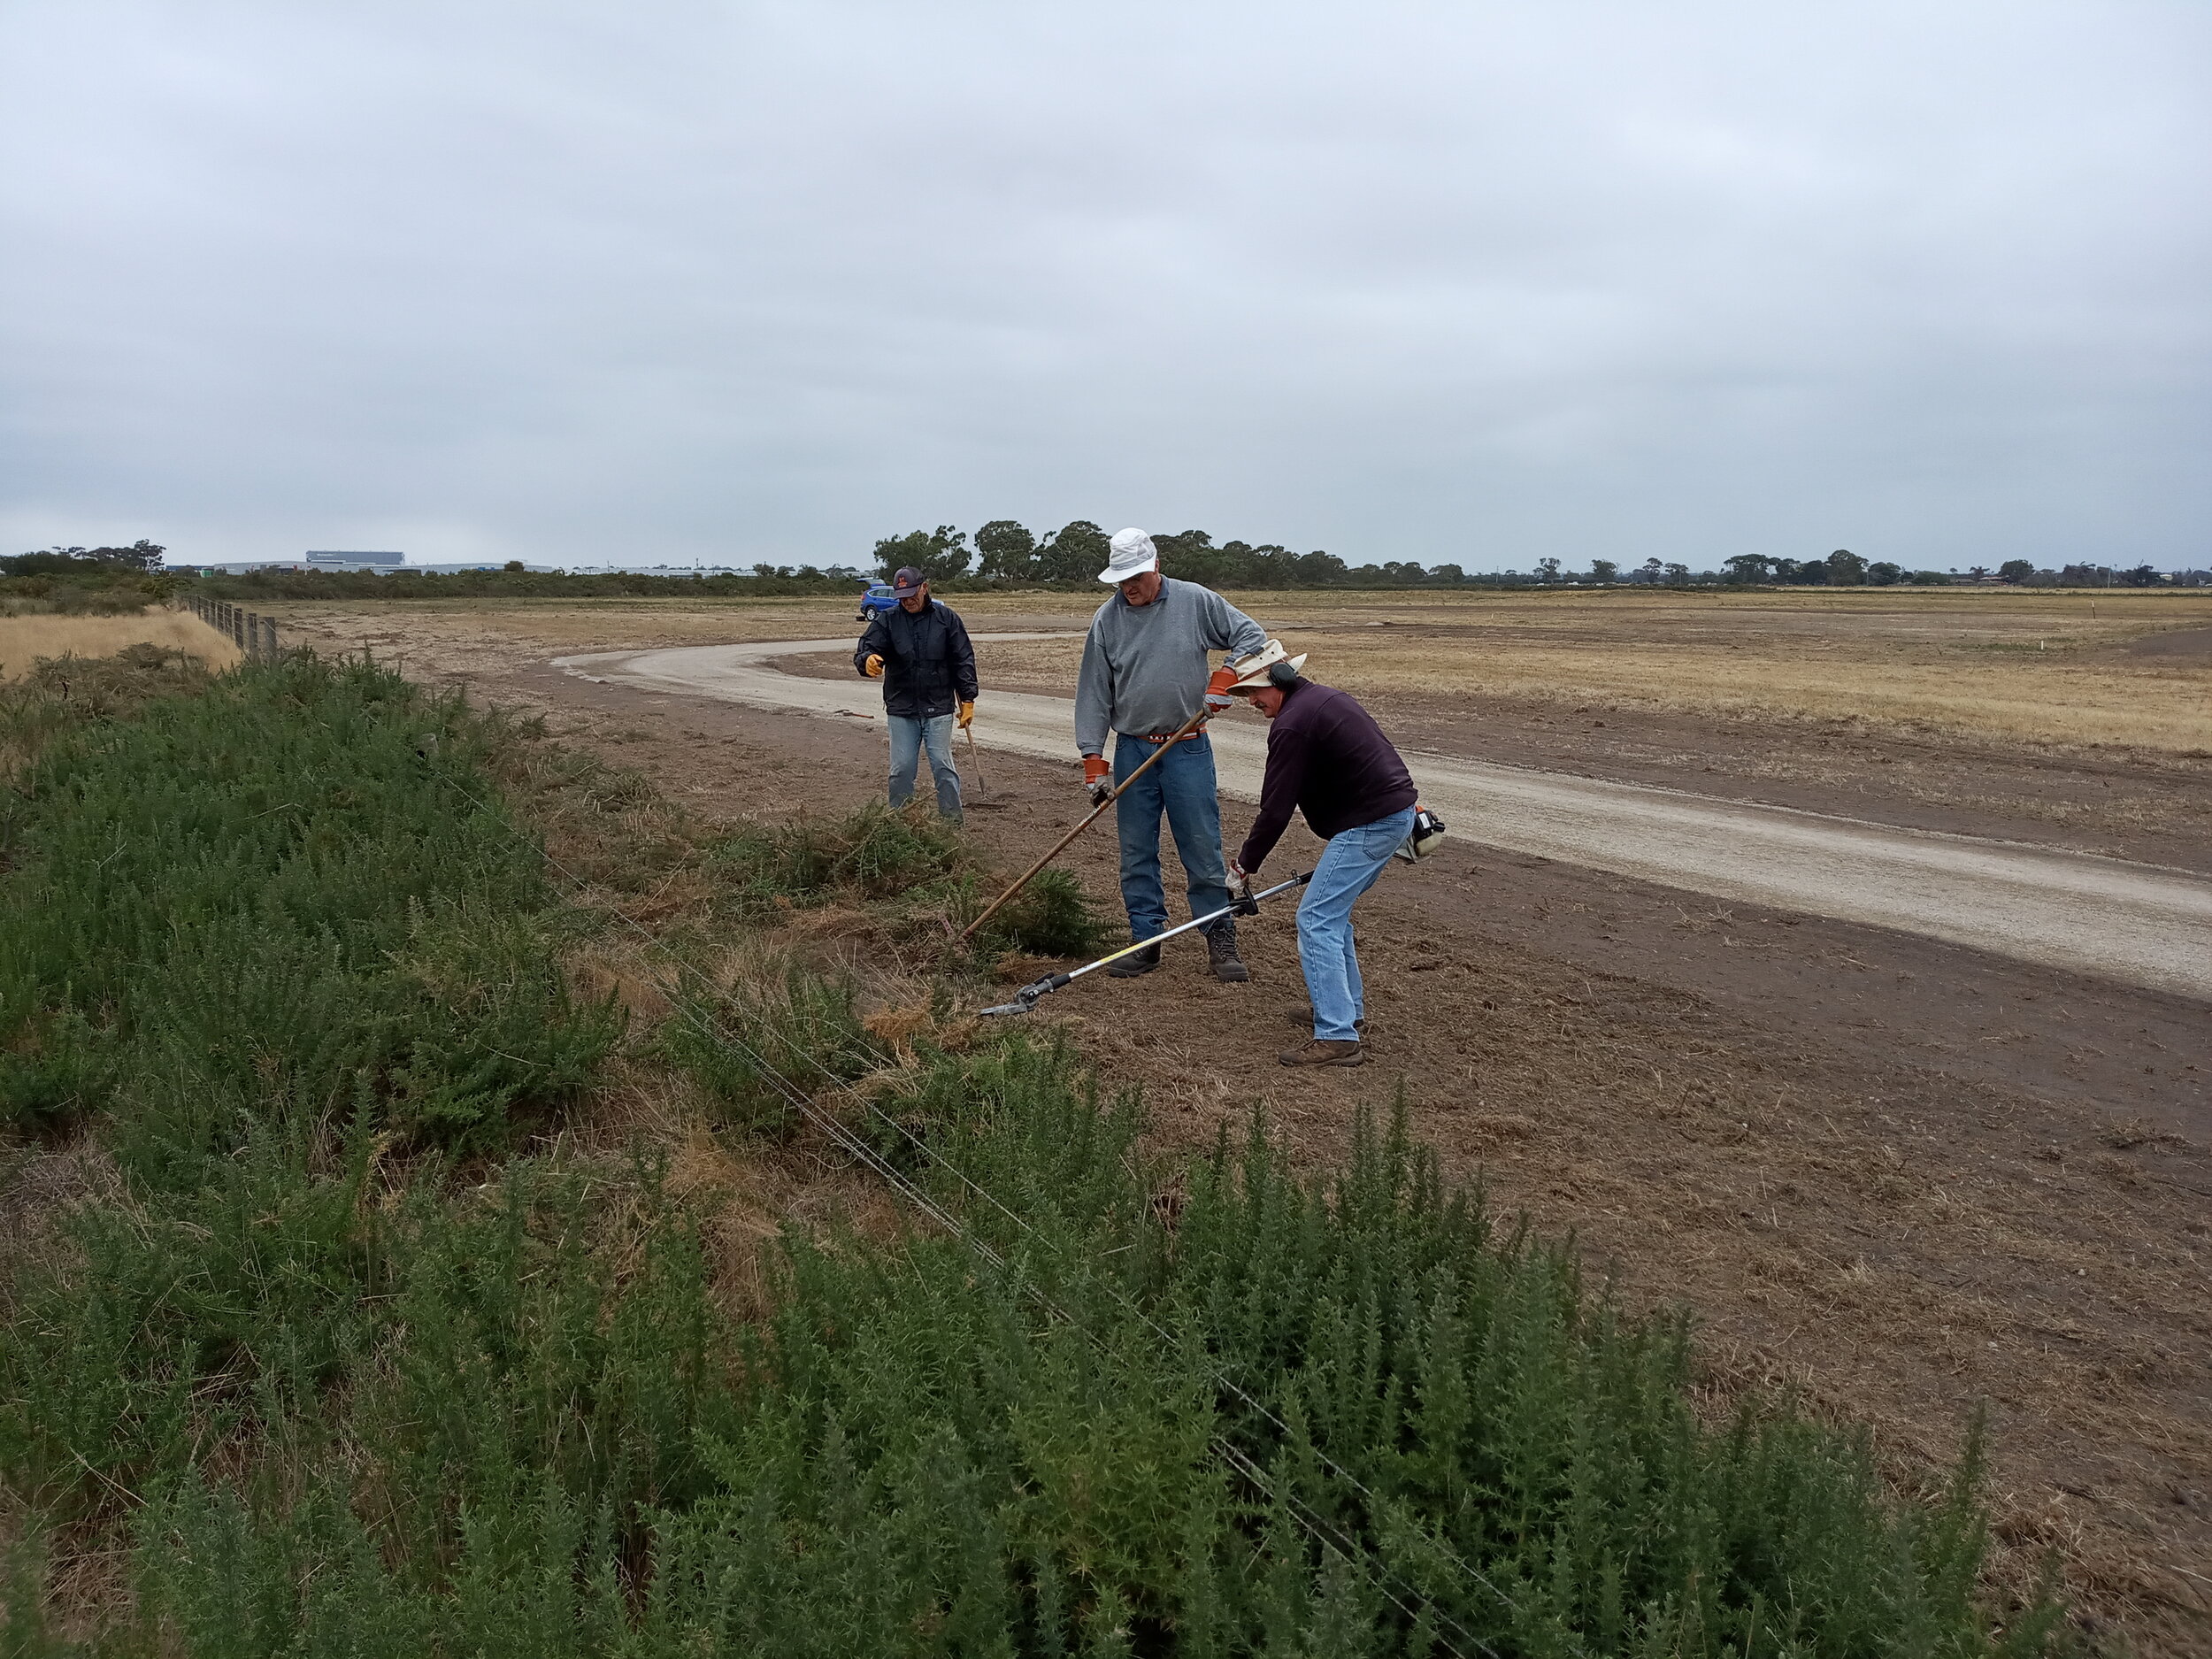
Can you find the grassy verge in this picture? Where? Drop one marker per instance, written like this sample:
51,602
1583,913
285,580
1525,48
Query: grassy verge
352,1350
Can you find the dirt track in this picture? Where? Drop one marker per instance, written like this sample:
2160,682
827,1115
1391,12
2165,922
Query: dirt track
2131,923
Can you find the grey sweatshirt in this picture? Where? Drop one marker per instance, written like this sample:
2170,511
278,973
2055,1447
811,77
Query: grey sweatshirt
1144,666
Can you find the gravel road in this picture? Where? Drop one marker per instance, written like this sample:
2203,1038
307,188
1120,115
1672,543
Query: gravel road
2138,923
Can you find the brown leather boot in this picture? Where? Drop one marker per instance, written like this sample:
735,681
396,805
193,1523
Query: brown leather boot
1319,1051
1221,954
1136,965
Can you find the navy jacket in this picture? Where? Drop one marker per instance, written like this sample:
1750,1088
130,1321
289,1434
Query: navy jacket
1327,758
928,666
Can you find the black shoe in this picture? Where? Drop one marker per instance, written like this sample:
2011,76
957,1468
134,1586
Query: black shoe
1221,954
1136,965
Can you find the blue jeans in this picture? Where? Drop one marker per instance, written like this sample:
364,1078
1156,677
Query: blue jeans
1350,864
908,737
1182,787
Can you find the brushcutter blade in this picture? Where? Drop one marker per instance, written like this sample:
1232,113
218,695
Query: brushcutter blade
1025,999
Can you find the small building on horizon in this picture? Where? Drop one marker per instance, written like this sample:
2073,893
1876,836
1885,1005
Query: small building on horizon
327,560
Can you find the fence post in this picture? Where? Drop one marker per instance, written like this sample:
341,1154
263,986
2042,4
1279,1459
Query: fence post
268,640
253,637
238,627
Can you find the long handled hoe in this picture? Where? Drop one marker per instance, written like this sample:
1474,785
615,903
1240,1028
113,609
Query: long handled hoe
1025,999
1150,761
975,758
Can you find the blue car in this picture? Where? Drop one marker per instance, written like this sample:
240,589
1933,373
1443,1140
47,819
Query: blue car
876,601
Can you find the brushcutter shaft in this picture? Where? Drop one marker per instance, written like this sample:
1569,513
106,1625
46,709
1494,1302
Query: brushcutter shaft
1027,997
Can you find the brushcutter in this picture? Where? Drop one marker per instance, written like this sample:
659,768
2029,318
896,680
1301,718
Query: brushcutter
1026,998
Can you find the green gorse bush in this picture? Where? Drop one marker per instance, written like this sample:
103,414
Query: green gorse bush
342,1378
295,893
904,860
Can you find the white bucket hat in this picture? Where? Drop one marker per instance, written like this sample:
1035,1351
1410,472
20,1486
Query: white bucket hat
1252,672
1132,554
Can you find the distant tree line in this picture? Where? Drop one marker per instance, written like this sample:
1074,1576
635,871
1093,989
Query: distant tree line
84,581
2096,576
1008,553
1002,553
1840,568
765,582
142,555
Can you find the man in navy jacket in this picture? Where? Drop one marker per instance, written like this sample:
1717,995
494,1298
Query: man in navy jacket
921,653
1327,758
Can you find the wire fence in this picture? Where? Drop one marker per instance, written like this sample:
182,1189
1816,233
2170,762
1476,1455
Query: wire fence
254,635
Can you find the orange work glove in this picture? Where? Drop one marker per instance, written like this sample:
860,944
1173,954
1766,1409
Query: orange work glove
1097,777
874,666
1217,697
967,713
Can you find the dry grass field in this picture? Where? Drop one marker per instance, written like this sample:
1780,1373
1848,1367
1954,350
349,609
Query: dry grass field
25,640
2008,665
2020,667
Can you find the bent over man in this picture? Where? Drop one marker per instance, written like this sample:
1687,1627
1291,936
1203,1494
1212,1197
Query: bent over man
1143,677
920,651
1327,757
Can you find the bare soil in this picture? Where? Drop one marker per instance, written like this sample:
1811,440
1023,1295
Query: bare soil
1904,1179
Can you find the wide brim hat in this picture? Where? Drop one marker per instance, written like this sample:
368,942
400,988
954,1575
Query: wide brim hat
1252,672
1131,553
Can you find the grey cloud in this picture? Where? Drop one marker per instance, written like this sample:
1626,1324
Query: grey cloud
1401,281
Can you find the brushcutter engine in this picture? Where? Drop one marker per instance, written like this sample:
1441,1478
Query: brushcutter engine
1427,836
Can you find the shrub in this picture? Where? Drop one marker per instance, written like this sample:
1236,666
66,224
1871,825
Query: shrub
1051,916
1271,1415
280,893
776,1020
877,853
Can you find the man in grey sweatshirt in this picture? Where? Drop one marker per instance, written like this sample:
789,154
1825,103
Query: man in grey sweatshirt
1144,674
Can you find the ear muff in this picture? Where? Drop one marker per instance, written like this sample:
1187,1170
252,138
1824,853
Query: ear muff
1282,676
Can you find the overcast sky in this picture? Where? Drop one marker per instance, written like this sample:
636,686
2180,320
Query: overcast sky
627,283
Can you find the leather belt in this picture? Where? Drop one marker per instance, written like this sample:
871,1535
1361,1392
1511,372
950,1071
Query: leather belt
1167,737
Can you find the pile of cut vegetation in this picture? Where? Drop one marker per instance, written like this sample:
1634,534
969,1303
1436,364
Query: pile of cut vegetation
326,1337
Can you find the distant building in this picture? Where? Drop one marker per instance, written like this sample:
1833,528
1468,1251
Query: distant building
330,561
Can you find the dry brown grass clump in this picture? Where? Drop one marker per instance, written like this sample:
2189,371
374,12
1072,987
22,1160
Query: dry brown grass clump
24,641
